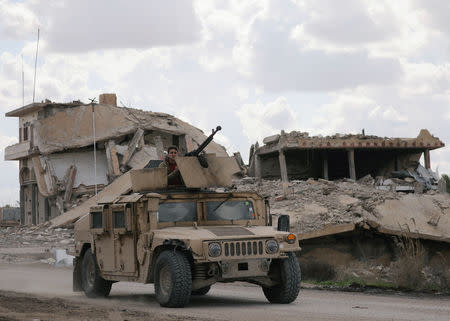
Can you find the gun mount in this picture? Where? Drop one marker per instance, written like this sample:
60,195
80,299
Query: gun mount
198,152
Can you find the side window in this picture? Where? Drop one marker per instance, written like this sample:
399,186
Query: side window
97,219
119,219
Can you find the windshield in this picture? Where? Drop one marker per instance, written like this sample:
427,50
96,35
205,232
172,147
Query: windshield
177,212
230,210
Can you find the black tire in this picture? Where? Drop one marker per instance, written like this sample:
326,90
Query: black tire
287,272
92,283
201,291
173,281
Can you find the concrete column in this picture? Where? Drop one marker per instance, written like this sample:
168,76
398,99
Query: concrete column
351,164
257,166
34,207
325,165
283,168
22,205
426,157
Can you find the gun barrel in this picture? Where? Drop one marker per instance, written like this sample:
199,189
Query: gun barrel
202,146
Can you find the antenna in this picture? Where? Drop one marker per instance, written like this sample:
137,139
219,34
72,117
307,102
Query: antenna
95,147
23,85
35,66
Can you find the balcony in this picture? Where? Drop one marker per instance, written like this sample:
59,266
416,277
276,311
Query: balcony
18,151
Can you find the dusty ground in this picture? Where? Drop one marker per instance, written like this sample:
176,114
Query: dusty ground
19,306
44,292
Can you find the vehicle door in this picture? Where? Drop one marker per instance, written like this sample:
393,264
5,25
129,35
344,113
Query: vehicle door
124,238
100,224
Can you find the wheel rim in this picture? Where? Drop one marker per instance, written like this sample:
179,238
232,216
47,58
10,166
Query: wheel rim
90,273
165,280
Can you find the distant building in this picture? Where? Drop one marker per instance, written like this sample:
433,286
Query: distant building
9,214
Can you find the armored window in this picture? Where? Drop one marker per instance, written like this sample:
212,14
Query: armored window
97,219
177,212
119,219
230,210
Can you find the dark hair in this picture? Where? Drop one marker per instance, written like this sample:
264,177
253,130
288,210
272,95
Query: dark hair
172,147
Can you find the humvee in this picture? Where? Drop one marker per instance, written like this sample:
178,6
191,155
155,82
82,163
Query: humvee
185,239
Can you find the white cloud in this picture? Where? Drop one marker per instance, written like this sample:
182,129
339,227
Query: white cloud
348,22
253,67
261,120
6,141
278,63
67,26
17,20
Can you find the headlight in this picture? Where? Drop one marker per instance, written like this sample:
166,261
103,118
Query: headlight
271,247
214,249
290,238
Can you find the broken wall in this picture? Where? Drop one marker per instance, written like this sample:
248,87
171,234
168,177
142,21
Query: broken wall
71,128
84,163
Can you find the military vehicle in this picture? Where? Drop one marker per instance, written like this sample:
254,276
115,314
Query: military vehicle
185,239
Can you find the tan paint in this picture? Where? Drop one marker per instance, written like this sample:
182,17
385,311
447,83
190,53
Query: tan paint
127,255
147,179
218,172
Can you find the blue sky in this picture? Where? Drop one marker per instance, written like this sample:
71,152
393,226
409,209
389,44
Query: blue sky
254,67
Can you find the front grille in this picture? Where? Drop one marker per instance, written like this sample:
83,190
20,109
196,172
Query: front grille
243,248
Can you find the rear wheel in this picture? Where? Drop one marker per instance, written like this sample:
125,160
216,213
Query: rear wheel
201,291
287,272
173,282
92,283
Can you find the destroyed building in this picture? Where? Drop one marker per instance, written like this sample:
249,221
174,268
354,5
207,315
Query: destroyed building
296,155
56,150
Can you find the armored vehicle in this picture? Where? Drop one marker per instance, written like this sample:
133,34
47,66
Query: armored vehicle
185,239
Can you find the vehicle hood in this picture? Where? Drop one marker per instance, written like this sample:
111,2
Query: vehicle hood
218,232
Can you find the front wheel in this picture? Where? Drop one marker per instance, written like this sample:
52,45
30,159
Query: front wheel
287,272
92,283
173,282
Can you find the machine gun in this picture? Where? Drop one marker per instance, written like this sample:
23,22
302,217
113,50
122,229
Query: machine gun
198,152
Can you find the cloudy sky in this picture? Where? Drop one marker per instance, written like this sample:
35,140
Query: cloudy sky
254,67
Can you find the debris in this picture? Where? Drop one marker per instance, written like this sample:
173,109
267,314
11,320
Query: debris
318,206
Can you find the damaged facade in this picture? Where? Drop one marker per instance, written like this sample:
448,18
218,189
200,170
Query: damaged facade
296,155
56,150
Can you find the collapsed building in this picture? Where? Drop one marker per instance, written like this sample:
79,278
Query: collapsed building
67,152
357,202
296,155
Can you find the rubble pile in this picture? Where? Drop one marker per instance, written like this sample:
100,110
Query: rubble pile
293,136
22,244
35,236
315,204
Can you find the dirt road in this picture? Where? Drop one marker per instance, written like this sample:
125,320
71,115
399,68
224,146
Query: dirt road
40,288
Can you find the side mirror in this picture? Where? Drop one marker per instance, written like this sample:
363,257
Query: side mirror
268,215
283,223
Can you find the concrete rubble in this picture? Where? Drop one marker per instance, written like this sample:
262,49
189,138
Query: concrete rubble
31,244
316,206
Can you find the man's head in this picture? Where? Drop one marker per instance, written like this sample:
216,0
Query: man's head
172,152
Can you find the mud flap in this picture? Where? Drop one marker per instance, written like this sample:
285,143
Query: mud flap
77,275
